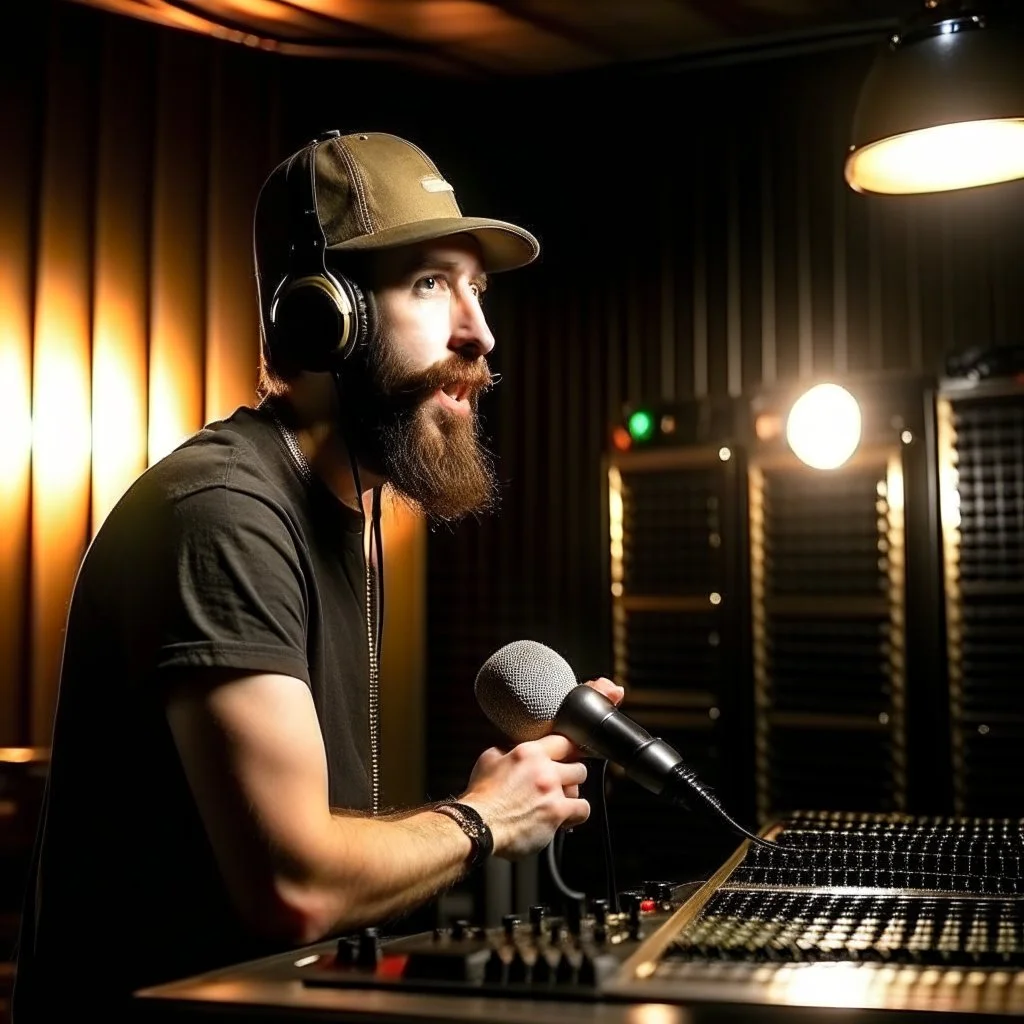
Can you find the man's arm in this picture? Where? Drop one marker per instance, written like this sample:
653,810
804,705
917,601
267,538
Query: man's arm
299,870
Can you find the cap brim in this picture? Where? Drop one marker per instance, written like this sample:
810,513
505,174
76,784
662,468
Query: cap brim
503,246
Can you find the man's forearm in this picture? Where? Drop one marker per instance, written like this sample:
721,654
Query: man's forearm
371,869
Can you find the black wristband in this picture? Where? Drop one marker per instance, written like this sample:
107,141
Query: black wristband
473,825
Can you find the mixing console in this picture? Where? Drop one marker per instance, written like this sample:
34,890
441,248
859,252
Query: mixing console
885,912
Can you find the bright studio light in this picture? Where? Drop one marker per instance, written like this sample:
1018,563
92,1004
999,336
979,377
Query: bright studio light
942,106
824,426
948,156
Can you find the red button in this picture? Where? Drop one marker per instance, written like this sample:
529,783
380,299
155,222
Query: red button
647,906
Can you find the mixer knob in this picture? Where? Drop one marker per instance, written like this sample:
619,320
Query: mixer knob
566,971
518,968
600,908
660,892
348,947
573,916
537,913
630,901
494,969
587,974
542,970
594,968
508,923
634,918
460,929
369,948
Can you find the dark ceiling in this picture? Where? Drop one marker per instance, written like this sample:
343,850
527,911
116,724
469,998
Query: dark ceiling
519,37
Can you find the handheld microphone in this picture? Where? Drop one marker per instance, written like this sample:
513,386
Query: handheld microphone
528,690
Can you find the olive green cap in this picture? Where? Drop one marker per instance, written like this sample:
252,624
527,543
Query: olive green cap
375,191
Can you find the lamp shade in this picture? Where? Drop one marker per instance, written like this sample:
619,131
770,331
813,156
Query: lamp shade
943,105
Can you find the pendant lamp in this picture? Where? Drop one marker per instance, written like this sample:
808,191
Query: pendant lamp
942,107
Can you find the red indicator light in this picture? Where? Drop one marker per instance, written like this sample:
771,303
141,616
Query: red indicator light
648,906
621,439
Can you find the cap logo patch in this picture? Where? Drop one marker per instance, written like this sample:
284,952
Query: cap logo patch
436,185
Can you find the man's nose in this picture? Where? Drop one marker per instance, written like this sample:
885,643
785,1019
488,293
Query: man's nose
471,335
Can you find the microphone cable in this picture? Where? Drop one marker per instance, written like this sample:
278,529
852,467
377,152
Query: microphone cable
685,775
710,802
554,853
609,855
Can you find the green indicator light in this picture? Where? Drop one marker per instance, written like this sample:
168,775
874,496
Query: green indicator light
641,425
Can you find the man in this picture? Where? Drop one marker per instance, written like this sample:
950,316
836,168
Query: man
213,793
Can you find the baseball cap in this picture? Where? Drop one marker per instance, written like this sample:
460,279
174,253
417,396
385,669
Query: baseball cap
372,190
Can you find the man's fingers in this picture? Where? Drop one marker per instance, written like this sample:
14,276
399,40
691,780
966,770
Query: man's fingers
558,748
572,773
578,814
611,690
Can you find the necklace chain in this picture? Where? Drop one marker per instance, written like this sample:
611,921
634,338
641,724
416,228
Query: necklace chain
291,442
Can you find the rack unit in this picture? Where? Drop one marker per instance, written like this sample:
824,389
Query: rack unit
981,469
828,609
680,639
849,667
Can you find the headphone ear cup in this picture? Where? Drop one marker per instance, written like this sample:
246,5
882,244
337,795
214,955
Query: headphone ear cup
316,321
364,313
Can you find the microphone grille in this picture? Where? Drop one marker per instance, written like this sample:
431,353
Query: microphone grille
521,686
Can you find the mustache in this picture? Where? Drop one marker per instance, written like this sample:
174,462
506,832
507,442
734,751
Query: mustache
472,376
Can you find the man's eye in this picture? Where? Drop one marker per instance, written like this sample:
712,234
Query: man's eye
427,283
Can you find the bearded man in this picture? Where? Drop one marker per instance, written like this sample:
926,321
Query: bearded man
213,793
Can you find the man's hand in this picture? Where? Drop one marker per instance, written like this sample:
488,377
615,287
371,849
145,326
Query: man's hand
527,793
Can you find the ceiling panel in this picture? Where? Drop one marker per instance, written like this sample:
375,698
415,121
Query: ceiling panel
504,37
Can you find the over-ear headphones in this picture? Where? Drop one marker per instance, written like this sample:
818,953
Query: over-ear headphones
317,317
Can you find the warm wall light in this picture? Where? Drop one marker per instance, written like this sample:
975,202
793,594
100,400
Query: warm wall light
15,422
824,426
943,106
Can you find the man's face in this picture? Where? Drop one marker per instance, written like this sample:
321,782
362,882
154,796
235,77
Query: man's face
411,406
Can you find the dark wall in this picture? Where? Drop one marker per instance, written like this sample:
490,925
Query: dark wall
699,240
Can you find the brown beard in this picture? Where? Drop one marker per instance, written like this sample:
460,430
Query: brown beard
431,456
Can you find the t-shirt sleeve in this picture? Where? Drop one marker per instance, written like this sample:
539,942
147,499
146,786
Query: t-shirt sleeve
238,596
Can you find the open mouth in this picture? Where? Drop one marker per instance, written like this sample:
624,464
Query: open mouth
455,397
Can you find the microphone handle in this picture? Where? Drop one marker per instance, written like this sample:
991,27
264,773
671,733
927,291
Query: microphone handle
594,724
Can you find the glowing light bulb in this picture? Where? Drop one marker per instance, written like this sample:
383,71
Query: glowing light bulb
941,158
824,426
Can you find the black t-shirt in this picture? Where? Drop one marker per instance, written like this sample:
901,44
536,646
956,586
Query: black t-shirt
219,556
